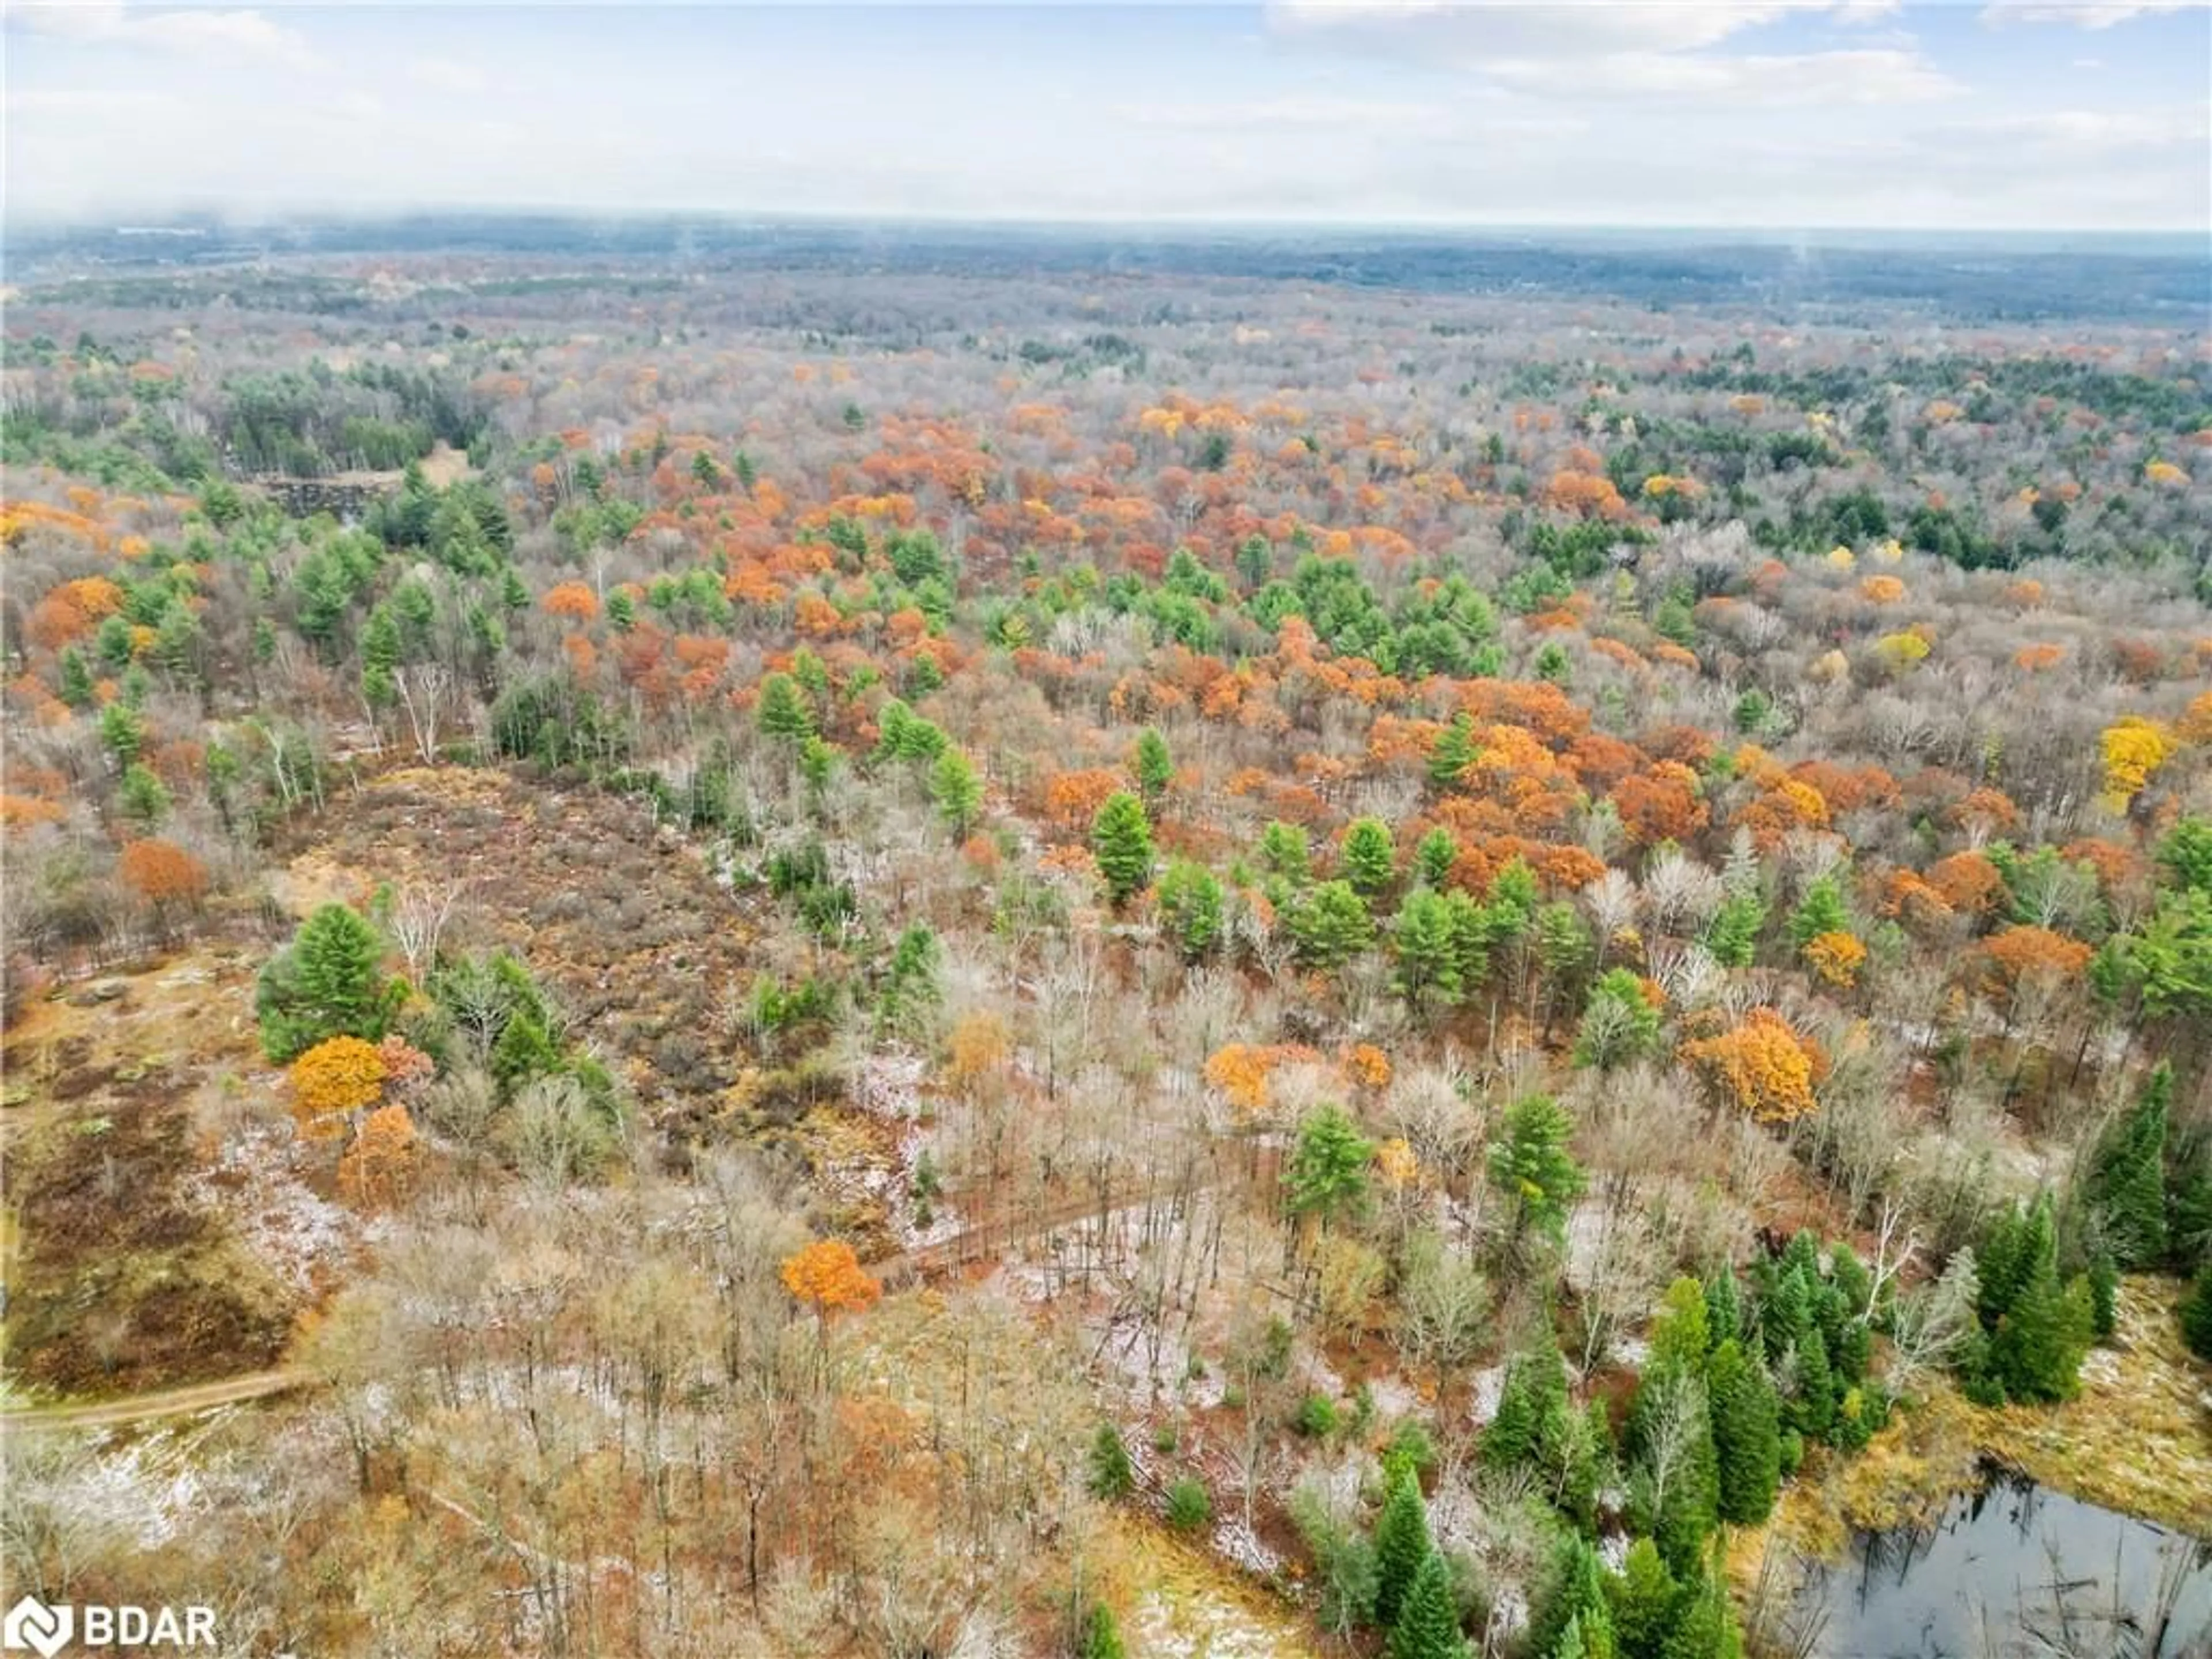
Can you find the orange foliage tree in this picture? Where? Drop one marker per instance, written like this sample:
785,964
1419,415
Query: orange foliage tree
333,1082
162,873
379,1165
1763,1066
2027,953
574,600
829,1278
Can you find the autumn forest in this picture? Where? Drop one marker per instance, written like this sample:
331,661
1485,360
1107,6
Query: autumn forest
1020,952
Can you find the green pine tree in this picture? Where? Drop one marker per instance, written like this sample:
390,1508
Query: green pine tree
1732,934
1154,767
1190,905
1101,1637
1327,1172
1112,1475
76,679
2126,1182
1402,1547
1454,753
2197,1314
958,793
1646,1600
1370,856
1434,854
1329,926
1284,852
327,982
1533,1168
1820,911
1121,837
1428,950
1426,1625
1747,1434
782,713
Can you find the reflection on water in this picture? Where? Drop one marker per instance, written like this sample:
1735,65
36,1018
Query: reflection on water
2015,1571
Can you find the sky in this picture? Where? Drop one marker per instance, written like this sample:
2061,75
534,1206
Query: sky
1768,114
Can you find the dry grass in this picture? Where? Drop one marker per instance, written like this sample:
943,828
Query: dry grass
127,1267
2138,1437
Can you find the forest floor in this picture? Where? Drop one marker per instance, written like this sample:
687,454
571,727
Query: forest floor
159,1227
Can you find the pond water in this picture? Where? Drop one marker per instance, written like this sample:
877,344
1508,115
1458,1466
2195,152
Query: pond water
2017,1572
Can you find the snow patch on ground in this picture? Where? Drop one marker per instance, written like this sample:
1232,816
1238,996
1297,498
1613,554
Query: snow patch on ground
146,1490
1488,1389
255,1186
1393,1397
1235,1542
1192,1628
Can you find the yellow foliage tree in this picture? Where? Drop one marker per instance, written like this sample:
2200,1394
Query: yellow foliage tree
1837,958
1239,1071
979,1047
332,1082
2134,748
1763,1066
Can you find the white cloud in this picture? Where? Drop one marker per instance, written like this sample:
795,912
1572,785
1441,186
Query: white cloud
1825,78
2086,15
1602,48
1471,30
447,74
234,36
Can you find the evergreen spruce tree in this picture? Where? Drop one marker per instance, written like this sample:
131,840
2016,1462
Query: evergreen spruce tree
1646,1600
783,712
1154,766
1101,1637
1747,1434
1820,912
327,982
1402,1547
1723,1307
1575,1595
1813,1400
1707,1628
1426,1625
2126,1182
1454,753
1112,1475
1370,856
1122,837
2037,1351
1434,854
2197,1314
2104,1278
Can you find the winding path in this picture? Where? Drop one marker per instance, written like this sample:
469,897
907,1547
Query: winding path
165,1402
951,1252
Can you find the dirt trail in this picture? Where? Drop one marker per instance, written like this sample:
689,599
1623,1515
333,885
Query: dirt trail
166,1402
962,1246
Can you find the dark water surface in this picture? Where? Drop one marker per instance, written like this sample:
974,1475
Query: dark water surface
2016,1571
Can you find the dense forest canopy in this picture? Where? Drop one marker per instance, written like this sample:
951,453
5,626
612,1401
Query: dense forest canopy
904,942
